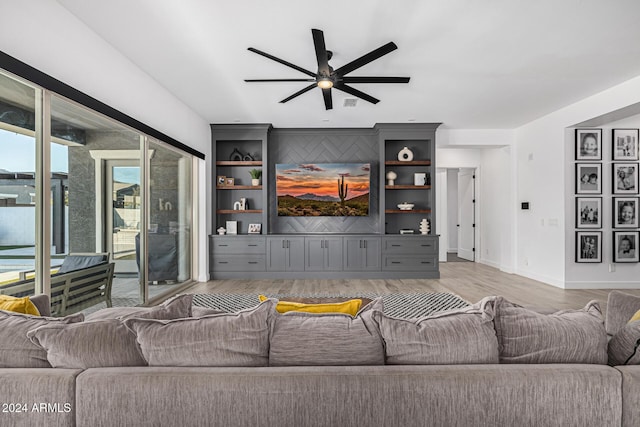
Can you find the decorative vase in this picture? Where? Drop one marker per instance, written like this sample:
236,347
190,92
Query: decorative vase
425,227
405,155
391,177
255,182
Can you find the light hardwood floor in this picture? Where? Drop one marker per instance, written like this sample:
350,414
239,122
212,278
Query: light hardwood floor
471,281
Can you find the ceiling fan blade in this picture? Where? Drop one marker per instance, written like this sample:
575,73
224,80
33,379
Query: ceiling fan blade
298,93
328,102
321,52
365,59
375,79
282,61
279,80
355,92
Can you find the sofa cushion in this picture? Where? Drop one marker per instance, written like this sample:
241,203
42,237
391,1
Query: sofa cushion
568,336
226,339
173,308
621,307
99,343
303,339
16,350
18,305
460,336
351,306
624,346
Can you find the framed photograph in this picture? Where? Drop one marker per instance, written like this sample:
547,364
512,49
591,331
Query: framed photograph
624,178
625,246
221,180
229,181
588,246
625,144
255,228
589,212
420,178
625,212
588,178
588,144
232,227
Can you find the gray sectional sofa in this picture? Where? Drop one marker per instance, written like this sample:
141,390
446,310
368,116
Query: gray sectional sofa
513,387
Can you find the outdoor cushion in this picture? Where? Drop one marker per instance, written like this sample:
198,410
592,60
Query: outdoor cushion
306,339
623,347
80,262
226,339
174,308
16,351
568,336
460,336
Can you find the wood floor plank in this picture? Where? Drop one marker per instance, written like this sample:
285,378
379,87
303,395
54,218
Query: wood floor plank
471,281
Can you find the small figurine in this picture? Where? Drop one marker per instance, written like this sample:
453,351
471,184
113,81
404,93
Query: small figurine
425,226
391,177
221,231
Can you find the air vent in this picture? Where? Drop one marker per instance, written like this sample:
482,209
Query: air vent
350,102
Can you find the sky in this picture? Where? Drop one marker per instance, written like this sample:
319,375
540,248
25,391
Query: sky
22,157
322,179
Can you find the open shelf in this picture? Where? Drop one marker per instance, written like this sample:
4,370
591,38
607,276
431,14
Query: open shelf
232,211
400,211
407,187
239,187
411,163
238,163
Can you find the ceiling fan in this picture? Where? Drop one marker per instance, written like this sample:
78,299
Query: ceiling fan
326,77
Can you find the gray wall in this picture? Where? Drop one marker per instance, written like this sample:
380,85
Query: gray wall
324,146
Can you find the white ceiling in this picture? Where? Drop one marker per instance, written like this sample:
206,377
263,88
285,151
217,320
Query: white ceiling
473,64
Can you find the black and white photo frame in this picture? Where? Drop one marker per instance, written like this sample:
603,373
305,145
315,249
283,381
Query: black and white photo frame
625,246
588,246
589,178
624,177
624,144
588,144
588,212
625,212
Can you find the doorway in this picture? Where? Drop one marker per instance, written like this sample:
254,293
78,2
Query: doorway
466,214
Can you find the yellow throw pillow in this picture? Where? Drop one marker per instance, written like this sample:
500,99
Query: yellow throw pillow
635,317
18,305
348,307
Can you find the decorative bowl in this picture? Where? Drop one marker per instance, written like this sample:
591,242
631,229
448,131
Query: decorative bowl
405,206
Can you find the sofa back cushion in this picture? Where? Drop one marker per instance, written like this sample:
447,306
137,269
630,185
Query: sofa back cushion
620,309
174,308
95,344
460,336
16,350
226,339
568,336
304,339
624,347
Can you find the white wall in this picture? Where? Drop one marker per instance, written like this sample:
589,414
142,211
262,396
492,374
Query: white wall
544,234
452,210
46,36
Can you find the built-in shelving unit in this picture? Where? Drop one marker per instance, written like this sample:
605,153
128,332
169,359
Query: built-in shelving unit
407,187
239,187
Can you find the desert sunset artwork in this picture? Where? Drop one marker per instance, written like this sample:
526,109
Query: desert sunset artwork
323,189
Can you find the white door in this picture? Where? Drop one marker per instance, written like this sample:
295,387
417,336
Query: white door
466,215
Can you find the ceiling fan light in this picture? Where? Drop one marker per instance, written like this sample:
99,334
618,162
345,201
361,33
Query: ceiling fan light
325,83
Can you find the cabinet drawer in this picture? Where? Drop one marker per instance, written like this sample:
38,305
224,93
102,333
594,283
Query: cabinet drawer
404,263
238,245
410,246
238,263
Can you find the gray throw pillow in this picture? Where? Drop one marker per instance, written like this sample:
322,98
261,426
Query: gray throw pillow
620,308
568,336
227,339
16,350
460,336
317,339
177,307
624,347
96,344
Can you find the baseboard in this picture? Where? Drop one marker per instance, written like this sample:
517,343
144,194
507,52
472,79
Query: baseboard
540,278
601,285
489,263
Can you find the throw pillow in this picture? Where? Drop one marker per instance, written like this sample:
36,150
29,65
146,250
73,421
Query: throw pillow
460,336
16,350
174,308
624,346
568,336
299,338
350,307
635,317
18,305
620,308
96,344
228,339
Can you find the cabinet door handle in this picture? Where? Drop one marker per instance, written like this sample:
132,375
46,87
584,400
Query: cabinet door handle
253,262
396,246
365,244
426,246
360,244
321,244
252,245
425,262
288,244
283,242
221,245
223,262
396,262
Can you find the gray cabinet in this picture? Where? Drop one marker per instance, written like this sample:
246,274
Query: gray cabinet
285,254
237,254
323,253
411,253
361,253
